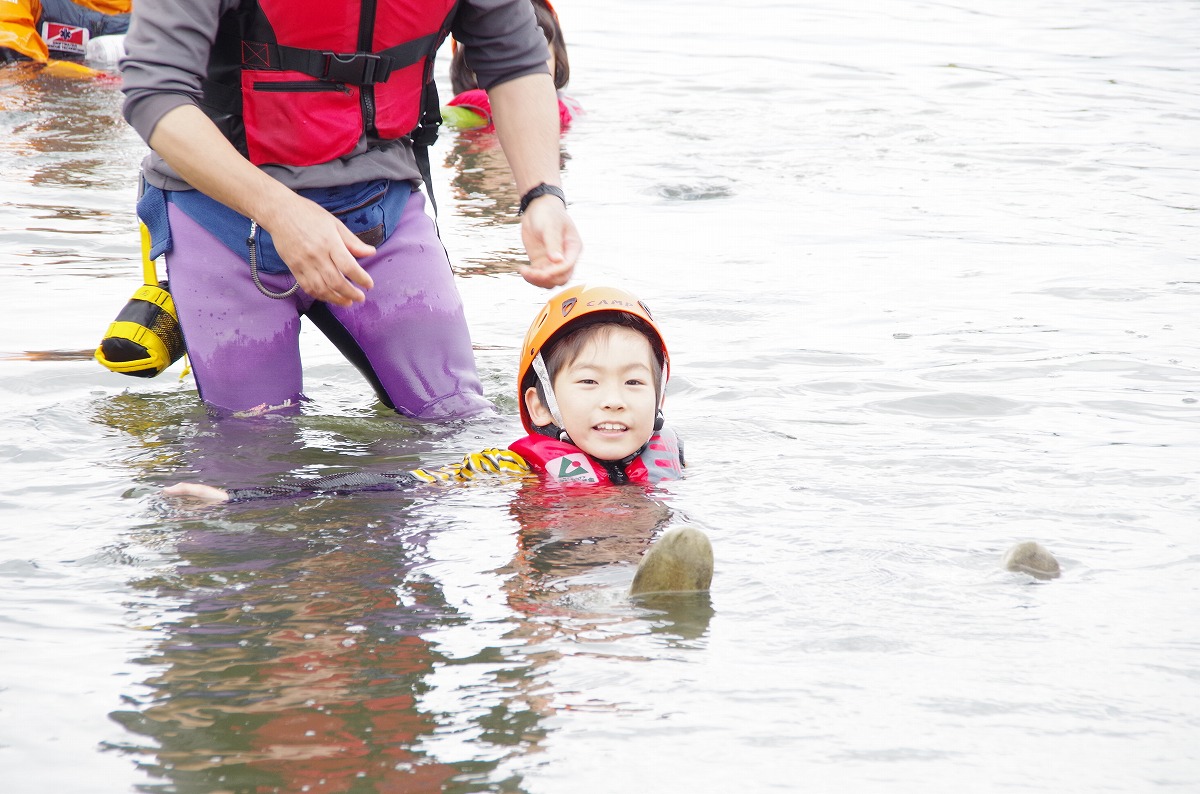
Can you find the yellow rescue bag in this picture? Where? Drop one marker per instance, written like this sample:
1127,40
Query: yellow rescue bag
145,338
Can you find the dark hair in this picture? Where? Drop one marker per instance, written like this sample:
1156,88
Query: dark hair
463,79
560,351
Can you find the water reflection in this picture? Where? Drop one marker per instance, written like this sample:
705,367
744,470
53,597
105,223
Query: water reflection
59,133
299,652
577,550
304,646
295,652
295,660
481,180
261,449
565,534
49,355
485,196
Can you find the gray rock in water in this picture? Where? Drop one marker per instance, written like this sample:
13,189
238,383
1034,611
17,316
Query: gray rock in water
1032,558
680,562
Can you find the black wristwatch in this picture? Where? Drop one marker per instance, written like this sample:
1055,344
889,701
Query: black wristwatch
541,190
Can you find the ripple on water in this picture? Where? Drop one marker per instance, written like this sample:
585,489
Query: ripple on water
20,569
1041,370
953,404
1105,294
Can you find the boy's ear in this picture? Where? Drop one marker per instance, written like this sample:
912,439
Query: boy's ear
538,412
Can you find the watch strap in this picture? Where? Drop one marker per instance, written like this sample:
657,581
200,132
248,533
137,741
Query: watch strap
541,190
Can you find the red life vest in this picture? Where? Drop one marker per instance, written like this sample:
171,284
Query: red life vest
300,82
558,460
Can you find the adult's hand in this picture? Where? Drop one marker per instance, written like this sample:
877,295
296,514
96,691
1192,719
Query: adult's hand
319,250
316,246
551,241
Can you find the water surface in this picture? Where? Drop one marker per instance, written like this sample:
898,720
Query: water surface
928,273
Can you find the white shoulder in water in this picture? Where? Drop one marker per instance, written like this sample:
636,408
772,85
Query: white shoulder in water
680,562
1032,558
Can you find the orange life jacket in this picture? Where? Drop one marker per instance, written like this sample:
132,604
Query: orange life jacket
106,6
19,29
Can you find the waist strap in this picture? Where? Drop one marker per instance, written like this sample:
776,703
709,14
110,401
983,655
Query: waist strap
371,210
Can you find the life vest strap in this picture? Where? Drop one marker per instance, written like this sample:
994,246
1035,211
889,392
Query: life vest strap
355,68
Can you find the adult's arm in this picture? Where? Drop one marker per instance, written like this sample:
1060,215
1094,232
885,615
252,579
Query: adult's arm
525,111
508,55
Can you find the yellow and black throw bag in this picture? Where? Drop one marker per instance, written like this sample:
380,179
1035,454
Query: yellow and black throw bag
145,338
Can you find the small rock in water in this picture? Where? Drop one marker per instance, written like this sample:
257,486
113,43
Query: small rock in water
1032,558
681,561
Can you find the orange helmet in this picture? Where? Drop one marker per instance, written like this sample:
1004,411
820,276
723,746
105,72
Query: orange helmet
564,312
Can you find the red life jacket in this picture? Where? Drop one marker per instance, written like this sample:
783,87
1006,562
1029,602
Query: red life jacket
558,460
300,82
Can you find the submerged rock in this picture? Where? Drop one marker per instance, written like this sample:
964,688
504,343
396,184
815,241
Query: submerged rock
680,562
1032,558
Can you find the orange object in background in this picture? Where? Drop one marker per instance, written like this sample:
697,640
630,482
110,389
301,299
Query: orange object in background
19,30
106,6
20,34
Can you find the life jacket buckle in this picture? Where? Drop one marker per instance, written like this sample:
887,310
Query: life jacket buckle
356,68
424,134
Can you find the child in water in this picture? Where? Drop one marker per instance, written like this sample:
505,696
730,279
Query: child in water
470,108
591,380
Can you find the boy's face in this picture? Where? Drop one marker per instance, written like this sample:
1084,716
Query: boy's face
606,395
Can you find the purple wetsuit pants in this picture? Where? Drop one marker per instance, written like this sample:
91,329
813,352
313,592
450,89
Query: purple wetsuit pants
409,338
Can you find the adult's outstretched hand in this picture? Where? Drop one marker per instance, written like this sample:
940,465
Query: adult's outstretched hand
551,241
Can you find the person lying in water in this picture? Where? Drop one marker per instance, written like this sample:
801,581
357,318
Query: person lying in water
592,379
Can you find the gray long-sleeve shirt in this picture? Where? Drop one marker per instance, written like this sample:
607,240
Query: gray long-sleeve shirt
167,52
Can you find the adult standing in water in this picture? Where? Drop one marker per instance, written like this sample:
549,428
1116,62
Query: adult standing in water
283,182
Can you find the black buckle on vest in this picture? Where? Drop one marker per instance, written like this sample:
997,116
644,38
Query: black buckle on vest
424,134
356,68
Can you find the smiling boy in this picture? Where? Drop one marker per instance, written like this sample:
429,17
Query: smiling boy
592,379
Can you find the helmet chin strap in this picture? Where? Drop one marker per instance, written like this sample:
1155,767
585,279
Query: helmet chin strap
543,376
